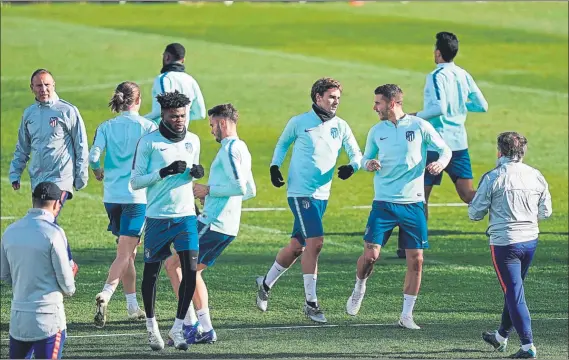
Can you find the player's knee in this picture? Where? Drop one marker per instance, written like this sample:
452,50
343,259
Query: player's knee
466,195
295,248
371,257
172,264
315,244
416,263
297,251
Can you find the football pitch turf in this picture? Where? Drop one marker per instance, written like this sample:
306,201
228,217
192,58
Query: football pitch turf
264,58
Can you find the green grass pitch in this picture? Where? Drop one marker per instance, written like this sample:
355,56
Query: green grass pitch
264,58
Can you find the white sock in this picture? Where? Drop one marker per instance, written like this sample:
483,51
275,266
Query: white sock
151,324
177,324
408,304
205,321
131,303
274,274
500,338
109,291
310,287
526,347
191,319
360,287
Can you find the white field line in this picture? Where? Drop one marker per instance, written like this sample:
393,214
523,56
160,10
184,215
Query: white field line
278,54
292,327
83,194
268,209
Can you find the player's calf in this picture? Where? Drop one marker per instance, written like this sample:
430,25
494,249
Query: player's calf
364,266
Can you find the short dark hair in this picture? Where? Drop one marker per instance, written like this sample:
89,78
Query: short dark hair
447,44
390,92
42,204
38,72
322,85
227,111
512,145
177,51
172,100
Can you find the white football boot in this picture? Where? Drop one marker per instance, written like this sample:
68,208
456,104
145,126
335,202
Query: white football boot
354,303
407,322
155,340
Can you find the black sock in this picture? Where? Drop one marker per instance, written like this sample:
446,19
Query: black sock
189,262
149,279
265,286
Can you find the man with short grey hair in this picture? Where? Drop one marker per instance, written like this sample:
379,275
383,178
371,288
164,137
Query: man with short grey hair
517,196
52,132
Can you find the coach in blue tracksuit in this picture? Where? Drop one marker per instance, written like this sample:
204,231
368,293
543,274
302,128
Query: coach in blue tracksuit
517,196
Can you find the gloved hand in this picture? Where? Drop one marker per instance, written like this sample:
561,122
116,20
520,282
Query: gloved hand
276,176
197,171
177,167
345,171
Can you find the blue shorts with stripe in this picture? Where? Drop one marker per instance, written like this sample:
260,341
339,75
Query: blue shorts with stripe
410,218
212,244
126,219
160,234
308,213
49,348
459,167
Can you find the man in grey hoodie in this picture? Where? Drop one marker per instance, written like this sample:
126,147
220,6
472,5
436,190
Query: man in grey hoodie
34,260
52,132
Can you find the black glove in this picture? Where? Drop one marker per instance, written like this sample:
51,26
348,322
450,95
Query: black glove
197,172
177,167
276,176
345,171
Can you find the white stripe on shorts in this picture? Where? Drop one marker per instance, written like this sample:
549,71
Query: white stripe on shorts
300,217
203,231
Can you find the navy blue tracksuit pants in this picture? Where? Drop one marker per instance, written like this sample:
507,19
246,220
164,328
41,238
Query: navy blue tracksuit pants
511,263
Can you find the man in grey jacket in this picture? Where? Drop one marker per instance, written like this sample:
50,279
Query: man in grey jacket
52,132
34,260
517,196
